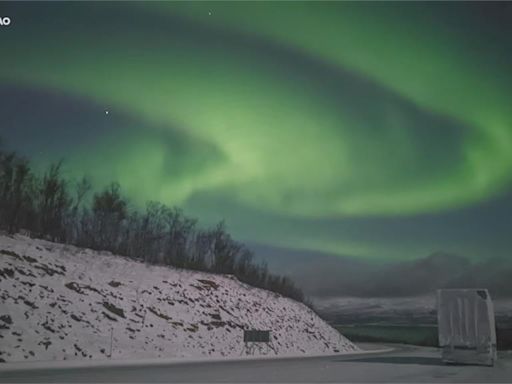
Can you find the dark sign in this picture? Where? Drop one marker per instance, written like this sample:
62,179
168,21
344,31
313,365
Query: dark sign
253,336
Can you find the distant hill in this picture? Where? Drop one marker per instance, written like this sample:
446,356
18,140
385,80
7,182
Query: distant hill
345,276
62,302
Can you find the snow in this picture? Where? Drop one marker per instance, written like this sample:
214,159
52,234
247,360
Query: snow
59,302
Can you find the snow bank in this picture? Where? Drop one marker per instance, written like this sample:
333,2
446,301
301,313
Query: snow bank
59,302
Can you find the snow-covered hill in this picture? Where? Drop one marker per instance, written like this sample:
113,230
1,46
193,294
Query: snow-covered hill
61,302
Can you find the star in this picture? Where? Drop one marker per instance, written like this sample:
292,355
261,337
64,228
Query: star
106,112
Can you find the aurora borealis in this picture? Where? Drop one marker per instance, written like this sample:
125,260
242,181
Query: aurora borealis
370,130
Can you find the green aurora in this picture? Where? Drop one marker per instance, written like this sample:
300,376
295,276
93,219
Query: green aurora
304,125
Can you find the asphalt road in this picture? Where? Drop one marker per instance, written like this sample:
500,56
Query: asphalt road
405,364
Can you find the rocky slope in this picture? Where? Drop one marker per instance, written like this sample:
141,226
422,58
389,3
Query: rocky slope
60,302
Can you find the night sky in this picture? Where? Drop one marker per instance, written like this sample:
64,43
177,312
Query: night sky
371,131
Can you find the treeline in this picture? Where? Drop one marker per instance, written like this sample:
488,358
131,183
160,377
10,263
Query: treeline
48,206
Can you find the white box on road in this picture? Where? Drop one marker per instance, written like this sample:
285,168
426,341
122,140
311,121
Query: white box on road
467,333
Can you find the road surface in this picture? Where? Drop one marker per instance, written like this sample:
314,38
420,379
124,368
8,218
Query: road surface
404,364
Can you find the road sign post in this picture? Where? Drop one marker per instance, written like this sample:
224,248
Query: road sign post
257,340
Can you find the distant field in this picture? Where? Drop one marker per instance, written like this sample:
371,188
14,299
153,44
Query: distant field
408,334
417,335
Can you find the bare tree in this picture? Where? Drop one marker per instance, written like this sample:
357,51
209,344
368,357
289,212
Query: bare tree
16,181
53,204
158,235
109,210
225,250
74,218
